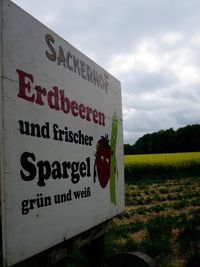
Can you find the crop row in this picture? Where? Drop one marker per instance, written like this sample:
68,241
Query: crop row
157,171
159,216
160,234
159,198
161,190
122,230
176,205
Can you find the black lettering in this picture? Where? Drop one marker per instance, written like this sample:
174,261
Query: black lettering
50,40
66,165
56,171
106,76
71,137
76,65
68,57
28,166
96,78
89,73
83,169
35,129
44,172
25,206
88,167
75,174
75,138
101,81
82,63
77,194
45,130
24,127
61,57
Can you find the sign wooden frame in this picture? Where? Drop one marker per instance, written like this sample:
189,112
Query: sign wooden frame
61,139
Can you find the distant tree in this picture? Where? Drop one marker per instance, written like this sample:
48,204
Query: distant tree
128,149
188,138
185,139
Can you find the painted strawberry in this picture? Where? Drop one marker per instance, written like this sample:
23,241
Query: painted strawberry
102,162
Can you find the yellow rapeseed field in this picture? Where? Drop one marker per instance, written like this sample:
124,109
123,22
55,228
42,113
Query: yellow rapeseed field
167,158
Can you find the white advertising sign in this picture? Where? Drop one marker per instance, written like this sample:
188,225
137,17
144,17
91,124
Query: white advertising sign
62,141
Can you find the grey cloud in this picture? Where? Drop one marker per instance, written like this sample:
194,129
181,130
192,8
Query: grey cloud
141,81
115,25
146,122
152,99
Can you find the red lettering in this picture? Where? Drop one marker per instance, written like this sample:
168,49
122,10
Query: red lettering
65,103
40,92
88,112
56,99
82,111
53,98
95,116
25,88
101,119
74,108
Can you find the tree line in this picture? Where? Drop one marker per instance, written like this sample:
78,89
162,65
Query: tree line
185,139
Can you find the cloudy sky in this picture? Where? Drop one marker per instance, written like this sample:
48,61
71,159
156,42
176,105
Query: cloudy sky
151,46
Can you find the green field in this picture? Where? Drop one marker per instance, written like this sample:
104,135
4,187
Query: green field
162,220
155,166
162,214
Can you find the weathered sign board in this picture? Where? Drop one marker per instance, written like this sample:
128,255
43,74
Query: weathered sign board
62,143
